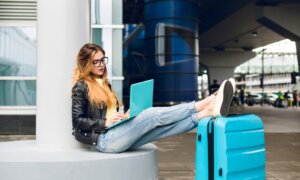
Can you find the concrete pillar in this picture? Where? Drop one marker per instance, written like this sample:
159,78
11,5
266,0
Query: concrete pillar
298,54
221,64
63,27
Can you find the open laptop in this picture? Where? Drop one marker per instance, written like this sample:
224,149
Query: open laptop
141,98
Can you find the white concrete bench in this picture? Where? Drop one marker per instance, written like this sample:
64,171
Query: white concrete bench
24,160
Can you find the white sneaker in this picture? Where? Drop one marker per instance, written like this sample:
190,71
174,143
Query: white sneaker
223,99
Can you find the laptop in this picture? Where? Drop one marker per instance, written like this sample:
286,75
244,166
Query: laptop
141,98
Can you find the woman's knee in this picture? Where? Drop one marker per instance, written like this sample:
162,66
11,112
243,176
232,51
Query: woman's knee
117,144
113,148
152,111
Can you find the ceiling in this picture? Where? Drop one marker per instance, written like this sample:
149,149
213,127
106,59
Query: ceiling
224,24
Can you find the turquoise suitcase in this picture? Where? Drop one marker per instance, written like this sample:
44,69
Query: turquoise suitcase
230,148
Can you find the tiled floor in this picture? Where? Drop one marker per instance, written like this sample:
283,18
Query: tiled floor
282,127
176,154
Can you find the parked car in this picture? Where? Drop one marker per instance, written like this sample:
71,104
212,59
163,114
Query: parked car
253,99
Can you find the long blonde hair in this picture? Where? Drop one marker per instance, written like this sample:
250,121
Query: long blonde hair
98,95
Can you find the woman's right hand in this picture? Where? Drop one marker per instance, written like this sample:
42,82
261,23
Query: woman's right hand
114,118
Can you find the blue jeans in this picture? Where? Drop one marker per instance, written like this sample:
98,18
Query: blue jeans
152,124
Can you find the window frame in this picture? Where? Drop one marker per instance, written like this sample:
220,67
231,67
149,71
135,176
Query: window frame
18,110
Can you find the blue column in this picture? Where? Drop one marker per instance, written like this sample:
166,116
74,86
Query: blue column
171,49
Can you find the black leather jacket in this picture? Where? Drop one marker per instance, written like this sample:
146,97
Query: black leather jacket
87,122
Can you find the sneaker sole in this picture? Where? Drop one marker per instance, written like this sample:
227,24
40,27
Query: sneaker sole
227,98
219,100
232,83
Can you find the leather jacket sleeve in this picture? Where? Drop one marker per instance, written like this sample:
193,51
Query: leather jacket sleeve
79,111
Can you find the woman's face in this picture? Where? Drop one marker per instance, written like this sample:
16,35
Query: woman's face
98,62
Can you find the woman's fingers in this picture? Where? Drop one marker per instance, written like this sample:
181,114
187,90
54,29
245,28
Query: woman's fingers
117,117
116,120
121,115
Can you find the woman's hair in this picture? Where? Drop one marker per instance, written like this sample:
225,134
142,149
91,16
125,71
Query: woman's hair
98,95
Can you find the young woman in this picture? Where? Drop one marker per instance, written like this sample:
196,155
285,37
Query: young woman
95,107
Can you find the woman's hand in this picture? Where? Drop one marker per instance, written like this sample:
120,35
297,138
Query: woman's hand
115,118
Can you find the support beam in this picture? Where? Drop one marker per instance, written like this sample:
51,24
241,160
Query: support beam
221,65
282,20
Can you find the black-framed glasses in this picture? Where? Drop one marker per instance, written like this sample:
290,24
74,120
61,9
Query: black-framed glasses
97,62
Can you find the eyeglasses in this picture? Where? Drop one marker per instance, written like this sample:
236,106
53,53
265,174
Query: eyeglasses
97,62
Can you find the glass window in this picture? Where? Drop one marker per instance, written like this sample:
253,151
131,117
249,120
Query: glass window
17,93
97,36
173,38
17,66
17,51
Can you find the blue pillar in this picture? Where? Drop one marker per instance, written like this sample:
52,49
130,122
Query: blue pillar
172,49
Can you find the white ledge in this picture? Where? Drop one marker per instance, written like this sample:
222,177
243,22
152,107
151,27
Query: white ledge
108,26
25,160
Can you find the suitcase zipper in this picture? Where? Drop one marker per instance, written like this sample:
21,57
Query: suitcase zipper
210,136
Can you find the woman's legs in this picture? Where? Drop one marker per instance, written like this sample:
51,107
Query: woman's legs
182,126
157,133
122,137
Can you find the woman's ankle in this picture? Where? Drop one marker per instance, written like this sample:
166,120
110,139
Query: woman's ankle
202,114
207,111
200,105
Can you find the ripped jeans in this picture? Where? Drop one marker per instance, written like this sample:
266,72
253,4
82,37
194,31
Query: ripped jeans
152,124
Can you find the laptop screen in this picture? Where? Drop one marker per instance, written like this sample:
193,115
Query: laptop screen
141,97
